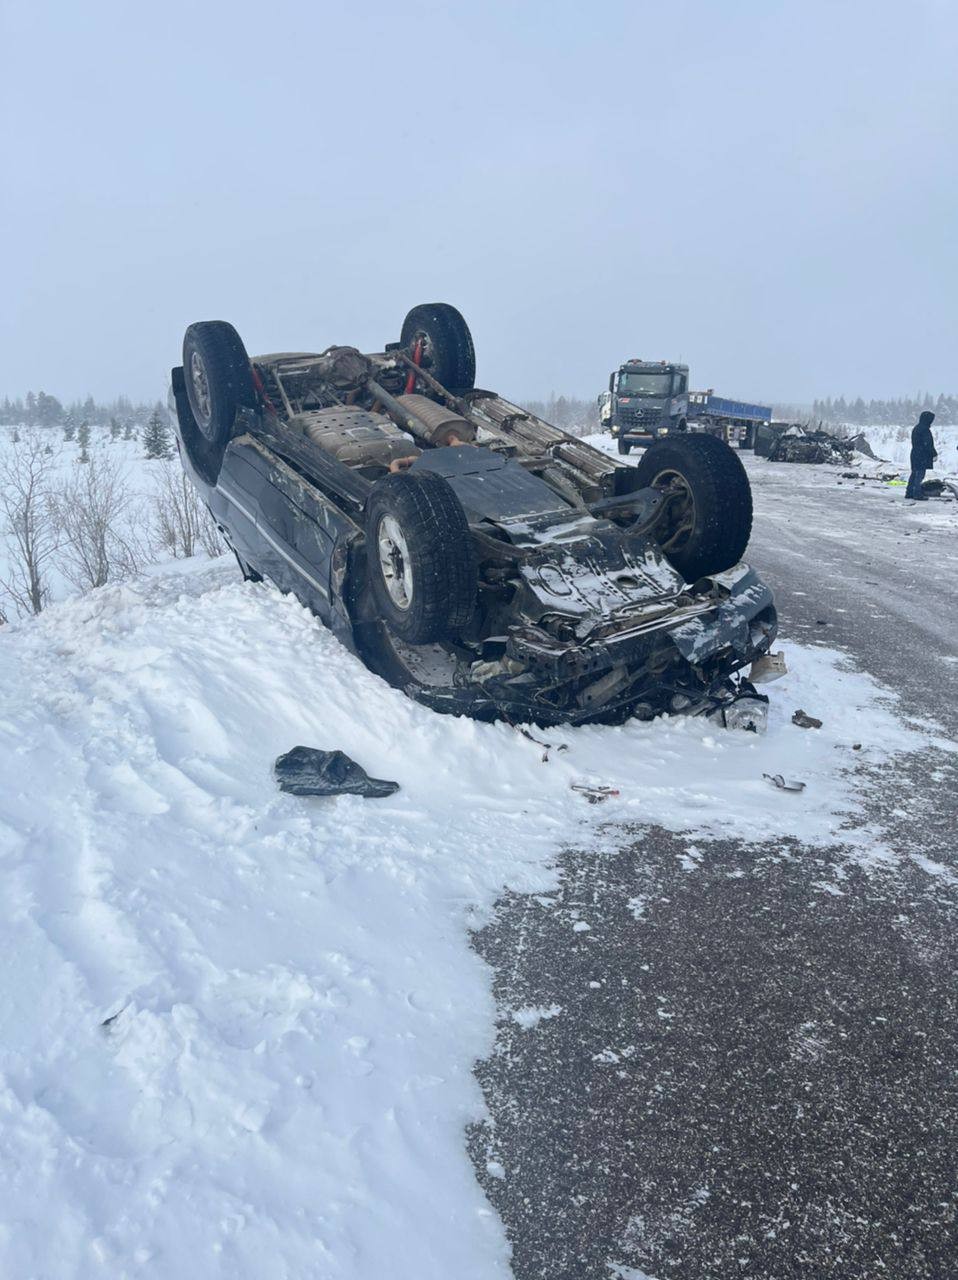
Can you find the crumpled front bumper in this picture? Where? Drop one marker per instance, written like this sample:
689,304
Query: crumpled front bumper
731,624
699,629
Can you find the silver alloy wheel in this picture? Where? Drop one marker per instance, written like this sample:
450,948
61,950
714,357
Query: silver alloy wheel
200,387
394,562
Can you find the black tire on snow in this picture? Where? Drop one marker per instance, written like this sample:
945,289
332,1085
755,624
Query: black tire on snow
719,489
624,446
219,380
451,352
437,560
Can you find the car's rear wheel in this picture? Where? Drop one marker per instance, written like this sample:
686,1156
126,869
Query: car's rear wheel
445,344
219,381
420,557
707,520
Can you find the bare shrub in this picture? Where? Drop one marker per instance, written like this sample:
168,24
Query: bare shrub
100,527
182,524
27,522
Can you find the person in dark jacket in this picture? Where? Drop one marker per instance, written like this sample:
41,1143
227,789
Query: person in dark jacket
923,455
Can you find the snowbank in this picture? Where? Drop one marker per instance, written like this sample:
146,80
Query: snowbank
894,444
238,1027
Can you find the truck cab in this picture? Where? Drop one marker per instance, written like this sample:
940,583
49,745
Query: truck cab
646,399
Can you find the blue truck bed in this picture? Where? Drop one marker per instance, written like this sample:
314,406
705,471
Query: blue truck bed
704,404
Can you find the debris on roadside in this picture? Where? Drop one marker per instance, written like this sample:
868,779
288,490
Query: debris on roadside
540,742
748,710
307,771
782,783
593,793
798,444
771,666
805,721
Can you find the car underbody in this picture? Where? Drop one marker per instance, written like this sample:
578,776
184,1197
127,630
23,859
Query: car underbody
470,553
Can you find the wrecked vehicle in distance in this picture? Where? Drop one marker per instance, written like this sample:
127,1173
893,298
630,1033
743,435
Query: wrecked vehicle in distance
794,443
471,554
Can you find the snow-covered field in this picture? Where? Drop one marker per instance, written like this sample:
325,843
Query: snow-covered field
894,443
239,1027
138,484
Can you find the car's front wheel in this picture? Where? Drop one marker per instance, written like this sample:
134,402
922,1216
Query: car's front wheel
420,557
624,446
707,517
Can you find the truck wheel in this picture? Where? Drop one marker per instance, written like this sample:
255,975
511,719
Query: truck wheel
420,557
448,352
624,446
706,525
219,380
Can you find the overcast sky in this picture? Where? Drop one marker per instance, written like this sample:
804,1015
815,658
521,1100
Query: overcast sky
765,190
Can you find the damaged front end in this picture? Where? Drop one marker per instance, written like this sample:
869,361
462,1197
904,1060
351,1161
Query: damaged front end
609,630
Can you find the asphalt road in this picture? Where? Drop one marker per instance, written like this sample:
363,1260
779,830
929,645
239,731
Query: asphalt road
756,1071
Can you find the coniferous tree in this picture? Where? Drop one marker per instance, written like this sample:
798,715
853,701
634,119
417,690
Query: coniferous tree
83,439
156,437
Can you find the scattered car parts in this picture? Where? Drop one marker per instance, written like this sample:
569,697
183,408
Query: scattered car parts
781,783
805,721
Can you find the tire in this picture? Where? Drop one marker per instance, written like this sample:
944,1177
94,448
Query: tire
624,446
717,515
448,343
219,380
415,526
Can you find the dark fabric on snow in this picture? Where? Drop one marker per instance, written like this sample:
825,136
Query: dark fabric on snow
923,451
306,771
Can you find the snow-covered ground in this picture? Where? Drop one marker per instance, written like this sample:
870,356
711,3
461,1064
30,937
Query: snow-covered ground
140,481
239,1027
894,443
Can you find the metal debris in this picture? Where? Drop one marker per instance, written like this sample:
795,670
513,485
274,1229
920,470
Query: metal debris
805,721
771,666
594,794
782,783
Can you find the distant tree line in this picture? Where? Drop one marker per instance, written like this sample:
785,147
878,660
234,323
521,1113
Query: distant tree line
38,409
578,417
125,419
901,412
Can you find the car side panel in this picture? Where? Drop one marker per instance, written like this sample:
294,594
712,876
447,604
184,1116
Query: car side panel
282,526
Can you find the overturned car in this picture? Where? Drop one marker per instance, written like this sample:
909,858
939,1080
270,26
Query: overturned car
471,554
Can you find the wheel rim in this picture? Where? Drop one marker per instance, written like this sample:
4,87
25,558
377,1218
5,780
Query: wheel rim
680,519
394,562
200,398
